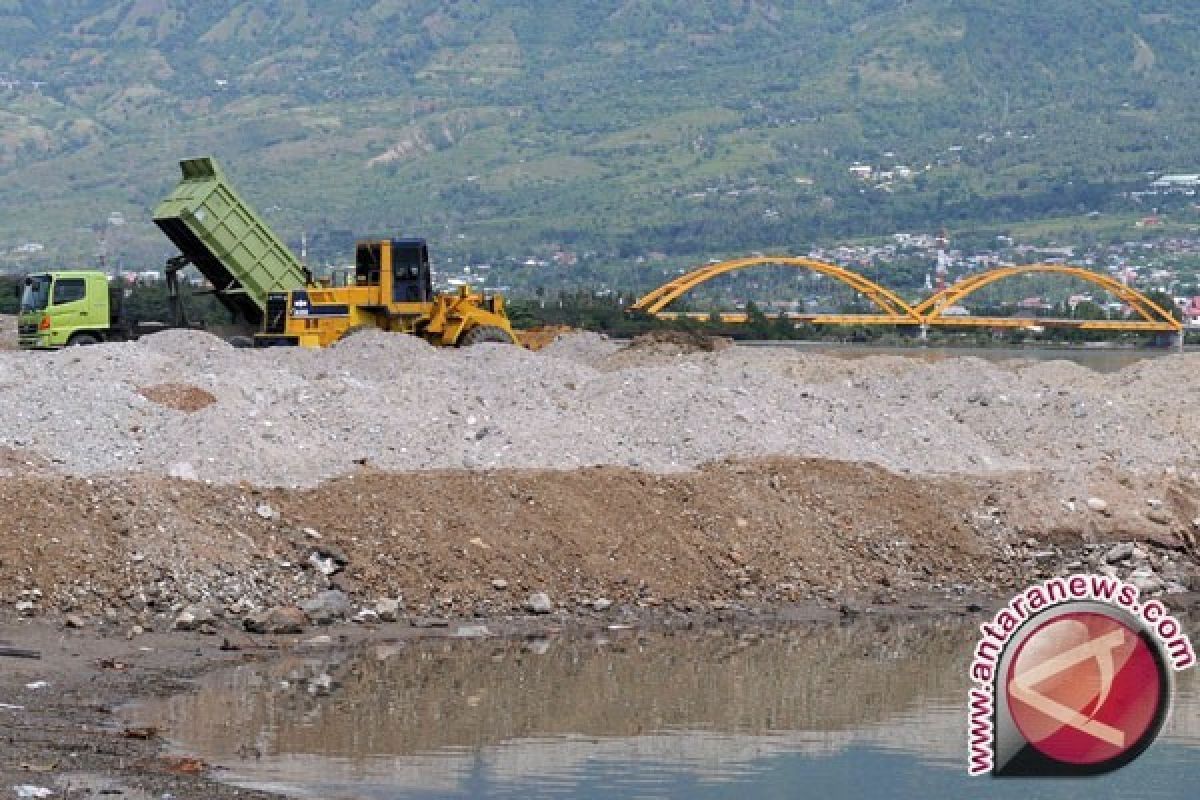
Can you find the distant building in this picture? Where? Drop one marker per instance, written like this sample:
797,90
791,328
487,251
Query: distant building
1190,181
1076,299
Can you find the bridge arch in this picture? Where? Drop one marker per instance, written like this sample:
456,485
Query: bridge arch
893,307
1154,316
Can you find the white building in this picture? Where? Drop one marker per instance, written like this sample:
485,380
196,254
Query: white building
1177,182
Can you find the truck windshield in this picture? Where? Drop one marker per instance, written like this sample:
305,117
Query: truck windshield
36,293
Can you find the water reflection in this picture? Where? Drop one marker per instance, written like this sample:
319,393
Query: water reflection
623,714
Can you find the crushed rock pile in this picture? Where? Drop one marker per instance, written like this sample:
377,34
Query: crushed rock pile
291,417
8,332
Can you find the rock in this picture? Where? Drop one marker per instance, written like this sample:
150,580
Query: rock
539,647
279,620
601,604
184,471
1163,540
366,617
338,556
326,566
311,533
326,607
1097,504
539,603
265,511
472,632
1119,552
499,584
319,641
1158,516
328,560
74,621
322,685
388,609
25,606
1146,581
193,617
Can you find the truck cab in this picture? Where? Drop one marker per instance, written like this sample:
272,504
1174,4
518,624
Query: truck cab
64,308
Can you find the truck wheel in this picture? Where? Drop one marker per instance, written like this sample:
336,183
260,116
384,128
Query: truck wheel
82,339
485,333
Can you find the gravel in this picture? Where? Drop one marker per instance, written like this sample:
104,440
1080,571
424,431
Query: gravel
290,417
8,332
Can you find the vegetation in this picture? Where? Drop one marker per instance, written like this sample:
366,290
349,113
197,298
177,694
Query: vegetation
609,130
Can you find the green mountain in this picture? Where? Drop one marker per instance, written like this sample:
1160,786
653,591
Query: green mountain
609,128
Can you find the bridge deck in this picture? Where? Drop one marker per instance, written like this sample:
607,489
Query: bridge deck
739,317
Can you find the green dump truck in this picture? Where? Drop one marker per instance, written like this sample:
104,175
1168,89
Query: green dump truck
66,308
214,229
74,307
227,242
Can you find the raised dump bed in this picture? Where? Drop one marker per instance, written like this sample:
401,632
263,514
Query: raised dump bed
231,245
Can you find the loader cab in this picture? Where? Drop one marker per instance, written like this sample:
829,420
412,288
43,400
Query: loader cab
400,267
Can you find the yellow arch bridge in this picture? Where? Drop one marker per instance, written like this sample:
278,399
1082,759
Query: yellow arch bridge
937,309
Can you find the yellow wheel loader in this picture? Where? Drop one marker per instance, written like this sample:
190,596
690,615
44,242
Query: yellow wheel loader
390,289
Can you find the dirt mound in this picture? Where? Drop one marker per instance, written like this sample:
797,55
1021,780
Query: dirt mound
178,396
188,344
680,342
582,347
663,348
372,343
478,542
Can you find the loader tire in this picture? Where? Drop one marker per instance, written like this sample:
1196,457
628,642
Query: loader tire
485,333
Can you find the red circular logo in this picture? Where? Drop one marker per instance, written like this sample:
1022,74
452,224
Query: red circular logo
1084,688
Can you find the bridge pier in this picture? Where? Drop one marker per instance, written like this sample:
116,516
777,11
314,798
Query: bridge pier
923,334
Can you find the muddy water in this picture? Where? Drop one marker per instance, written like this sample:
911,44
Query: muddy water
869,710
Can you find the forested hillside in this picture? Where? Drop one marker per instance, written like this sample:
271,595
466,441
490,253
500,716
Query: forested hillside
613,127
